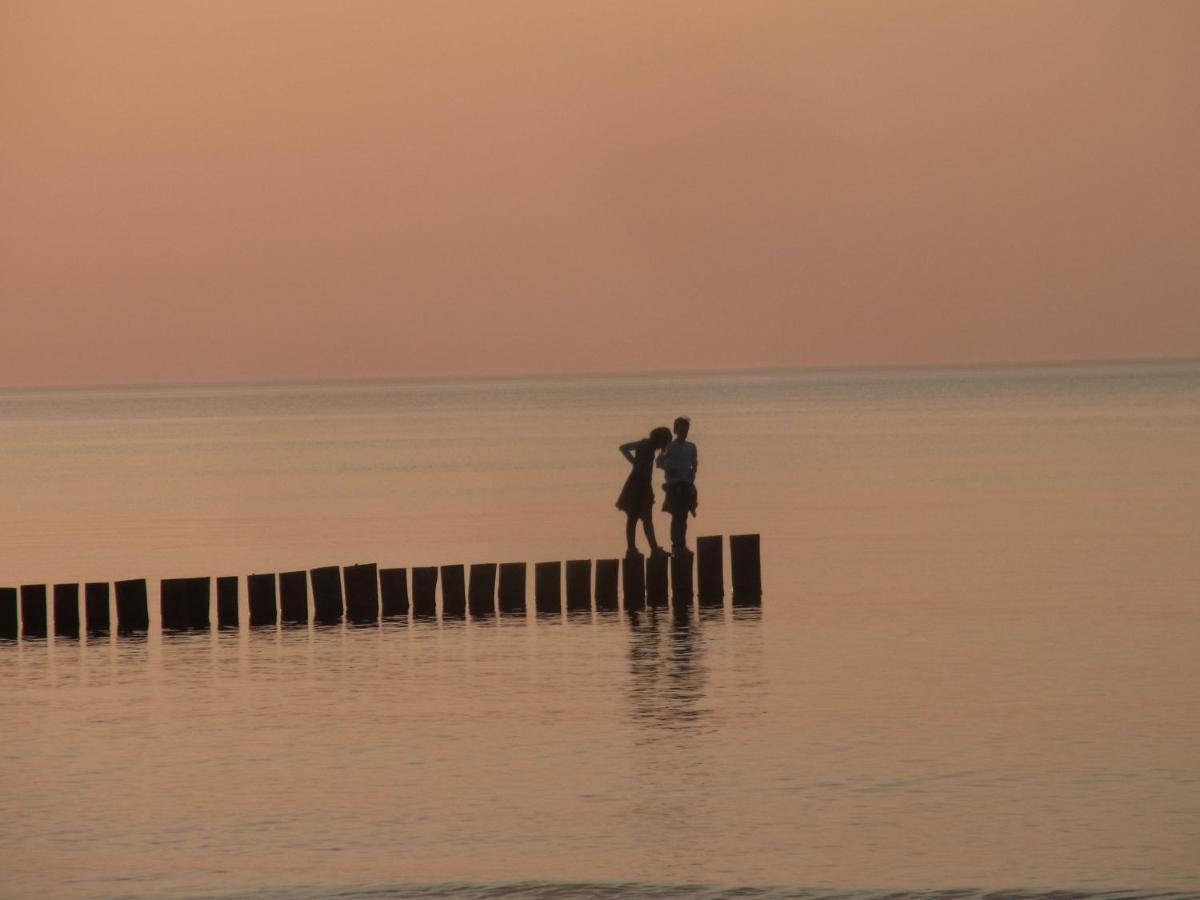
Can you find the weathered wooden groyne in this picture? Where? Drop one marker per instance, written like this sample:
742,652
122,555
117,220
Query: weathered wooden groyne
363,594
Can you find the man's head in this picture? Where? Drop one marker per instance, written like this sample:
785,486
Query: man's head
682,425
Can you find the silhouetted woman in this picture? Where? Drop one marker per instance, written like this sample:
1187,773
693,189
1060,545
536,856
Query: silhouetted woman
637,496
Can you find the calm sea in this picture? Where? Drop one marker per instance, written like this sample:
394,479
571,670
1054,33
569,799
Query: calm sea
974,672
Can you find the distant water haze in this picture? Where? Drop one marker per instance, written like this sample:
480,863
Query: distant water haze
228,190
974,665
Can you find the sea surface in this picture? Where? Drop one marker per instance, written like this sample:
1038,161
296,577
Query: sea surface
974,672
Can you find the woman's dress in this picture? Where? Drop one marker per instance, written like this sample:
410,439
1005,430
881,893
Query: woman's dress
637,496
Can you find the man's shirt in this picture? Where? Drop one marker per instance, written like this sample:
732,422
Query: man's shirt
680,462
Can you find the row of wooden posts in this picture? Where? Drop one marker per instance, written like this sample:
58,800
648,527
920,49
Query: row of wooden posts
364,593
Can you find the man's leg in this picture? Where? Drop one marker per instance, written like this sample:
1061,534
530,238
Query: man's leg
679,530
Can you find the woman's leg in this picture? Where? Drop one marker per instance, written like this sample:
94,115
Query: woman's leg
631,531
648,527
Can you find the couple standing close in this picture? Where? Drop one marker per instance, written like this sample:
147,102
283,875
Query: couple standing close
677,458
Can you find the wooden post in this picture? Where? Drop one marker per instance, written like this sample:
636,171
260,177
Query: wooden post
424,591
512,587
184,603
607,576
579,584
745,564
95,607
681,577
133,610
362,593
260,592
199,597
227,601
710,570
10,623
656,579
547,587
454,592
393,592
481,590
66,610
34,623
171,613
293,597
633,578
327,594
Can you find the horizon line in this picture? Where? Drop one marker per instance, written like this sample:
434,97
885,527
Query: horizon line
639,373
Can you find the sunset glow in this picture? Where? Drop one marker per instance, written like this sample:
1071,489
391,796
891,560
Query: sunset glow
199,191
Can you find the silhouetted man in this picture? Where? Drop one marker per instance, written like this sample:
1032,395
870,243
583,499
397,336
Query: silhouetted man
679,461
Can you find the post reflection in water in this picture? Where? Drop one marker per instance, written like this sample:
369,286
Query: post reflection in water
678,694
667,675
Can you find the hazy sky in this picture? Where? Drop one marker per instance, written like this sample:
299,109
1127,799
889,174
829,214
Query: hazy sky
251,190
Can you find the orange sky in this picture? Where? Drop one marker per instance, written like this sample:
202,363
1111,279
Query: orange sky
195,191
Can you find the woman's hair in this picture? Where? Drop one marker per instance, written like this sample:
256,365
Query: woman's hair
661,436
